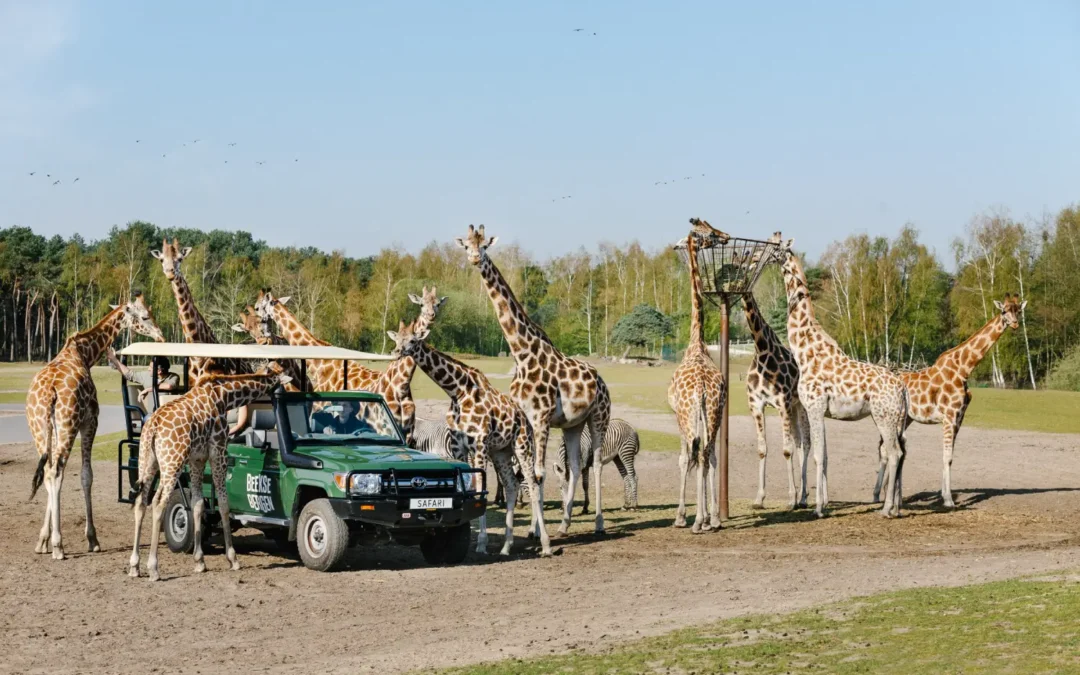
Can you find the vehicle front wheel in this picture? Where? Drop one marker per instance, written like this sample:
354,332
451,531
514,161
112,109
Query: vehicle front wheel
179,524
321,536
449,546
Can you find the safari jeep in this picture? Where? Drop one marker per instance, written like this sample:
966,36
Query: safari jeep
326,471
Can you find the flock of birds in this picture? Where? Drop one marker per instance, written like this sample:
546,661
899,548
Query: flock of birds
164,155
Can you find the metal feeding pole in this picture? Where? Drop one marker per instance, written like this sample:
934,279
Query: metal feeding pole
729,269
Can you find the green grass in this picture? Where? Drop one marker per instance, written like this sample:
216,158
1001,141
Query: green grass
658,441
1020,626
1051,411
15,381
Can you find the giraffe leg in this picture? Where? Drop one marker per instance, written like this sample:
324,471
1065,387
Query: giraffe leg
165,488
684,471
217,471
882,462
598,424
197,468
133,561
89,431
890,440
757,411
479,461
803,433
573,470
46,527
585,487
503,467
949,430
712,486
787,424
817,442
523,452
702,499
148,467
56,482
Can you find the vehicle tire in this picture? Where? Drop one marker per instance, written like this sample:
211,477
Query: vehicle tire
449,546
457,544
321,536
179,524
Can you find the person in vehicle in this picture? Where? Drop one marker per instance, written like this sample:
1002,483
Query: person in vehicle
344,423
167,381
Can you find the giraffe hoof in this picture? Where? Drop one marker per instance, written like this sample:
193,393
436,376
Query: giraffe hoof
41,548
679,523
154,576
561,532
235,566
600,533
57,553
696,529
200,567
716,526
758,505
133,572
95,547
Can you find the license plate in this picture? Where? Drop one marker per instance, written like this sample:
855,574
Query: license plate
432,503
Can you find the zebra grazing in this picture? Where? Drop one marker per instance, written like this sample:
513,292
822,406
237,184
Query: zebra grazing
621,446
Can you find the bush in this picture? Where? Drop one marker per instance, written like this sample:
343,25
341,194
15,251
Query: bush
1066,373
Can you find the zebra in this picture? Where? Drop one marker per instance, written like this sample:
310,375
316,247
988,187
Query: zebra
434,437
621,445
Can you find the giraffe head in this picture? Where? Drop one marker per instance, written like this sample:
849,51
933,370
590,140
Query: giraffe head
264,306
1011,310
407,339
254,326
137,317
170,256
476,244
429,302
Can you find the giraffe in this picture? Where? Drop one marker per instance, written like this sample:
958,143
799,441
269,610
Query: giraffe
553,389
833,384
940,393
485,420
394,384
192,429
696,394
773,380
62,403
259,331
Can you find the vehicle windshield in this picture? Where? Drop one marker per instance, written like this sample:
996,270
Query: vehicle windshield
344,420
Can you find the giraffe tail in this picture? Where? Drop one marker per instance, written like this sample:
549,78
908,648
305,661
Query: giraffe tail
146,454
43,461
701,430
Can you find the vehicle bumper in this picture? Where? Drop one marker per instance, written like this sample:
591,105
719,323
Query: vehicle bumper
394,512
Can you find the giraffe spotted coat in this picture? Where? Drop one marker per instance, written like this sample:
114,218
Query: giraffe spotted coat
62,403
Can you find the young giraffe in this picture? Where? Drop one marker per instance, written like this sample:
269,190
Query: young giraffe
553,389
696,395
773,380
394,384
939,393
259,331
62,403
833,384
483,422
192,429
191,320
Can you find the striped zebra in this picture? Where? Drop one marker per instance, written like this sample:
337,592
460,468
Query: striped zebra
434,437
621,446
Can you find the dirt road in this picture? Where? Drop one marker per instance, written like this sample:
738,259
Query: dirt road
1019,494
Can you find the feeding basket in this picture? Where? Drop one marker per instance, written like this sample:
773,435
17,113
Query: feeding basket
729,268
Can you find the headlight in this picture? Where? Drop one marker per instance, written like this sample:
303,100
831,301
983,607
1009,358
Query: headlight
468,481
366,484
360,483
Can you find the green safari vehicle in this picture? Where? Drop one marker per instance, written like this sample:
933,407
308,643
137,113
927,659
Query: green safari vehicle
319,471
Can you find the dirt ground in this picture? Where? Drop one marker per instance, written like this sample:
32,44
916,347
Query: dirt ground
1018,492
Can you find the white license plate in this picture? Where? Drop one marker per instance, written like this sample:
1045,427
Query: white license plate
432,503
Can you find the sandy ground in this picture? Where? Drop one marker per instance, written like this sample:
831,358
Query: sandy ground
388,612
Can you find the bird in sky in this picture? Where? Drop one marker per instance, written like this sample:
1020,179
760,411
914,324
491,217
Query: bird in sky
137,140
231,144
747,212
33,172
75,181
48,175
56,182
195,141
578,30
226,161
163,154
261,163
296,160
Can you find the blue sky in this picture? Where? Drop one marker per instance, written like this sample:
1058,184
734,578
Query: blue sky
401,123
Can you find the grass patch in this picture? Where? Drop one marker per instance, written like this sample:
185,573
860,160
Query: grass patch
15,381
1014,626
1049,411
658,441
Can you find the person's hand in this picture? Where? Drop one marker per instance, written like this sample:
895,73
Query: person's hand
110,354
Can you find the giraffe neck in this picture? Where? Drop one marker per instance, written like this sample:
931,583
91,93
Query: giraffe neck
233,391
697,313
93,341
520,331
802,326
292,330
444,371
764,336
968,354
195,327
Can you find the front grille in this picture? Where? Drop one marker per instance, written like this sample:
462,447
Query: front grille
435,482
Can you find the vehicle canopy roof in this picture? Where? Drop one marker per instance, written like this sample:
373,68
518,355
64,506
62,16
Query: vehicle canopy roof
247,351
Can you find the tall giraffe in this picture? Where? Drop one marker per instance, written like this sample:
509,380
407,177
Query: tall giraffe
192,429
773,380
553,389
259,330
62,403
939,393
484,422
394,384
835,385
195,327
696,395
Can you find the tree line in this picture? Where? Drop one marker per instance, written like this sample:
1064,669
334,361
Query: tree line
887,300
